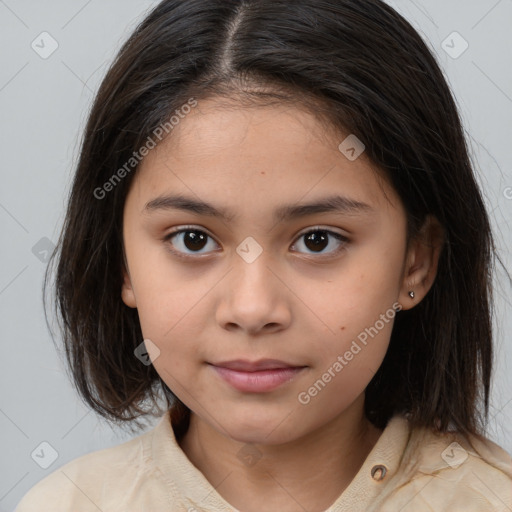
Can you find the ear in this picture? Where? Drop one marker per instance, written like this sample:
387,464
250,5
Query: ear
421,263
127,293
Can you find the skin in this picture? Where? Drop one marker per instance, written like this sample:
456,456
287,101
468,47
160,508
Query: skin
292,303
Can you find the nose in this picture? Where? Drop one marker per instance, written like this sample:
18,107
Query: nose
254,298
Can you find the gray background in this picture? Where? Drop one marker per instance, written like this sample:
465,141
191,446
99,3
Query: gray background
44,103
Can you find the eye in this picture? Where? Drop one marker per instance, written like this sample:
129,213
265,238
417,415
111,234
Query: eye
192,239
317,240
188,238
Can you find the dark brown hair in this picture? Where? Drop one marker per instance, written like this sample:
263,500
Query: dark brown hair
363,67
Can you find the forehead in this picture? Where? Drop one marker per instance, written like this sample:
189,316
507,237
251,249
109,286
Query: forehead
220,123
256,155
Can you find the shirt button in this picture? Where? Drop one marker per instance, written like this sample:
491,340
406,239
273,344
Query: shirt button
379,472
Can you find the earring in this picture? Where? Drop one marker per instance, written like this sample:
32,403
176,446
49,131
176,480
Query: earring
411,294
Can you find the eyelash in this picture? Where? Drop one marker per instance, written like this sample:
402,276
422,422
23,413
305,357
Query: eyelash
316,229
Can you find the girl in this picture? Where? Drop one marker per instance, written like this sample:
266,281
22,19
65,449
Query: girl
275,225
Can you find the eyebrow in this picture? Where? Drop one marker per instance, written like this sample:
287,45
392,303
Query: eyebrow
336,204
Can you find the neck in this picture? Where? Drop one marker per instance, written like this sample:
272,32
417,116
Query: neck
327,458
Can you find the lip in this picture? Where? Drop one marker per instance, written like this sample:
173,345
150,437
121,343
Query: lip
244,365
256,377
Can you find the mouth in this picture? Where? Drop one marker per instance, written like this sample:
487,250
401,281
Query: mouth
244,365
258,376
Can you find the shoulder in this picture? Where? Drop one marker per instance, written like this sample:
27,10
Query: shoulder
85,483
452,472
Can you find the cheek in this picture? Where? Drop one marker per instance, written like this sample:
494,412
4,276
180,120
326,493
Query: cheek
360,309
355,301
345,369
163,294
367,286
171,310
174,326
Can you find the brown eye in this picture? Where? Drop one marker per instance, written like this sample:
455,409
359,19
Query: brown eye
190,242
318,240
187,239
194,240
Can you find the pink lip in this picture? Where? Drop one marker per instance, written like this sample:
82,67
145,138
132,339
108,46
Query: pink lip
253,366
257,381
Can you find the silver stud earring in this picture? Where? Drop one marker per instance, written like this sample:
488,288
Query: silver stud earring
411,294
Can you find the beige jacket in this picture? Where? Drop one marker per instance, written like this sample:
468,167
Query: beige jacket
407,471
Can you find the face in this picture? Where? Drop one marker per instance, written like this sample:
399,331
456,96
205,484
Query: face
302,289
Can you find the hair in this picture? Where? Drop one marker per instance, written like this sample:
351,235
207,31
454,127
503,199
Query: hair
361,67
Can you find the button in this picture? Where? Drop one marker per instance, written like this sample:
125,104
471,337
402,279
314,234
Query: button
379,472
